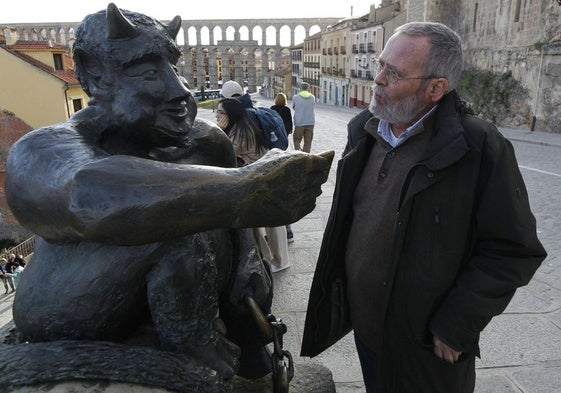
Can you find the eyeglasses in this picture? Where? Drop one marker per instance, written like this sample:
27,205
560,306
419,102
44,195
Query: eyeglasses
392,75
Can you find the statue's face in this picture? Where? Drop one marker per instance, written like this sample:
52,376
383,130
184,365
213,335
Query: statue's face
125,61
150,101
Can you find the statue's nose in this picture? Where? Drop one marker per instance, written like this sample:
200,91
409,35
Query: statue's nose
175,88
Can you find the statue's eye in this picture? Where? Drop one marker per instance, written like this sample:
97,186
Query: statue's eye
150,74
146,70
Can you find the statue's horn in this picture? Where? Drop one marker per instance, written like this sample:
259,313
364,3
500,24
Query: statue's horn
174,26
118,26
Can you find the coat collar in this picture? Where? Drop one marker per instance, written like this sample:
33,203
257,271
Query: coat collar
448,143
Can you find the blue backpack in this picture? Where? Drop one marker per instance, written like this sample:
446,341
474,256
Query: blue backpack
271,125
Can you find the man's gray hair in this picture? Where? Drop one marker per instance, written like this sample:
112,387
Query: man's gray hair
445,59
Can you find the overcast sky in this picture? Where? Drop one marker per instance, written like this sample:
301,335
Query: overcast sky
23,11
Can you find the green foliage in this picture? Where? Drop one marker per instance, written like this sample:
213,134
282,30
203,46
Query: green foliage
539,45
208,104
493,96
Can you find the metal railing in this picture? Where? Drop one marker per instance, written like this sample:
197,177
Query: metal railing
25,248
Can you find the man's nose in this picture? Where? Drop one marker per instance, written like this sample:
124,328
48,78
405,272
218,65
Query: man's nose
380,78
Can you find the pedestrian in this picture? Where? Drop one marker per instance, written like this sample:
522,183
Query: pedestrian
432,232
285,113
18,269
7,277
249,146
247,139
232,89
304,104
19,259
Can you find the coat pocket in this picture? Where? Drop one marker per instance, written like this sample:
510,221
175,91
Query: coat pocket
340,323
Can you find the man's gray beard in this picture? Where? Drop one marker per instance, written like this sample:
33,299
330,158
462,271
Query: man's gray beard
403,112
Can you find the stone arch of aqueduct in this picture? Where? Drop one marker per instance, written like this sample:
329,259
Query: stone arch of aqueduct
215,50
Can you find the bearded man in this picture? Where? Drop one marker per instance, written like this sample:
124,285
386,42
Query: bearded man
430,232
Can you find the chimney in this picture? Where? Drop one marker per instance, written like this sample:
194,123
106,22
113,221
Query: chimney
11,35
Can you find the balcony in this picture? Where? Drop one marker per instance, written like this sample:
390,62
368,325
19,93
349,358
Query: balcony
361,48
343,50
335,51
329,51
371,48
354,48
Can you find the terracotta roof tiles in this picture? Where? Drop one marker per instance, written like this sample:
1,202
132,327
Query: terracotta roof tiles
66,76
37,45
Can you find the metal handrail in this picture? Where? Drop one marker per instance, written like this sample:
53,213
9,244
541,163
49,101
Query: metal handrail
25,248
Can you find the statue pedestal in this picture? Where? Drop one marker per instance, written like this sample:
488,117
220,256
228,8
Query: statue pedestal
309,377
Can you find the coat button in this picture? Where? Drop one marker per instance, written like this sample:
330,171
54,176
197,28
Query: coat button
430,175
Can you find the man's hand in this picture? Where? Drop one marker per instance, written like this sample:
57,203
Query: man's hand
444,352
283,187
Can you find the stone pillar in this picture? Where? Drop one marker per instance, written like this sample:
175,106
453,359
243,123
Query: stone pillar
238,70
212,71
251,77
201,74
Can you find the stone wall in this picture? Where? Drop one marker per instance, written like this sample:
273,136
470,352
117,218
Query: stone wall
520,36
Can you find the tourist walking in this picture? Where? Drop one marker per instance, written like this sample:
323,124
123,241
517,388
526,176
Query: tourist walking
304,104
7,277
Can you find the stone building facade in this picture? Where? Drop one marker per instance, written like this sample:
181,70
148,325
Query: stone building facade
520,36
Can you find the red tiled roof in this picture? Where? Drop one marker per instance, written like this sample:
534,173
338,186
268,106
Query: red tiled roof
37,45
66,76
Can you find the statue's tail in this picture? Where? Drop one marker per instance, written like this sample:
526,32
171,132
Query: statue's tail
34,364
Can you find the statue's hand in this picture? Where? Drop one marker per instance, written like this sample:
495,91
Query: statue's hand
283,187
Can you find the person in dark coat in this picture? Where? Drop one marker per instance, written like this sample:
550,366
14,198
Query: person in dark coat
286,115
284,111
430,232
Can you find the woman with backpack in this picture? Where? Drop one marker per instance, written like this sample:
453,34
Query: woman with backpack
249,146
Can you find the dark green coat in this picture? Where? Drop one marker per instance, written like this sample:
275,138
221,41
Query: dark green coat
464,240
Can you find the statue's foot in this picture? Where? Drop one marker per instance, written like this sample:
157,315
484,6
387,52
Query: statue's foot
221,355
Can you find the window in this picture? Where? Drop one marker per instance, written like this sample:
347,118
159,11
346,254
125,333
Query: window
475,17
517,11
57,57
77,104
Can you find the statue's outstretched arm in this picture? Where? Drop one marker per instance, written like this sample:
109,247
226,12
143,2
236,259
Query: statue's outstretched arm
69,193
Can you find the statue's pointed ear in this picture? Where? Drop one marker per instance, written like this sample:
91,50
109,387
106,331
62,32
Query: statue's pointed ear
118,26
89,71
174,26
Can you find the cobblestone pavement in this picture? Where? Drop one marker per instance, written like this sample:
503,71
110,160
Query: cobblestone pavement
521,349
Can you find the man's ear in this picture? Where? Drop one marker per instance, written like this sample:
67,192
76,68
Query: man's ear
437,88
90,72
